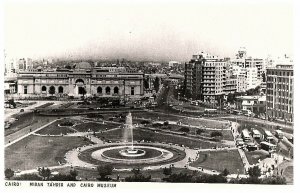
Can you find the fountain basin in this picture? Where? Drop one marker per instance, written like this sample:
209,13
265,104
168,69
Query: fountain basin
132,152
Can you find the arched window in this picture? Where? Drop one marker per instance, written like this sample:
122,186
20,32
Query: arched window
116,90
132,90
44,88
99,90
107,90
52,90
60,89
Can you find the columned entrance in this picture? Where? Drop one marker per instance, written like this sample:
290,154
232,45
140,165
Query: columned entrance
79,88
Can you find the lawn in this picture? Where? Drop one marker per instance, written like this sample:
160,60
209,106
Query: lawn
219,160
289,174
204,123
147,135
184,120
155,116
29,120
254,156
34,151
54,129
92,126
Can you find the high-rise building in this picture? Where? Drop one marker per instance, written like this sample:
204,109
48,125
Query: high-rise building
205,77
242,61
279,92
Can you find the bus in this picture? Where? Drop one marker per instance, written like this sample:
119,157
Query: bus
268,135
279,134
210,111
245,135
268,146
256,134
195,103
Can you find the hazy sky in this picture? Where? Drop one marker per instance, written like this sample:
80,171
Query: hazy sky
156,31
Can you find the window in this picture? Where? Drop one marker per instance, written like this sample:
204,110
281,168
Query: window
132,90
107,90
116,90
99,90
44,88
60,89
25,89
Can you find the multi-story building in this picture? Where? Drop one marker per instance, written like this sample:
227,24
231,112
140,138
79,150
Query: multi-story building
241,83
230,85
279,92
205,77
256,104
83,80
246,65
259,64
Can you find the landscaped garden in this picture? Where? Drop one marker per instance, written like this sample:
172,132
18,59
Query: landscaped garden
254,156
34,151
148,135
96,127
59,127
219,160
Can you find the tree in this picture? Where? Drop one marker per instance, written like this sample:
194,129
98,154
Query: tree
68,67
52,90
216,134
181,177
254,172
73,173
138,176
45,173
9,173
156,84
12,103
104,171
225,172
167,171
136,171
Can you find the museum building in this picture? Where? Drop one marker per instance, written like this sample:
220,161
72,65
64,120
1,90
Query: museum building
83,79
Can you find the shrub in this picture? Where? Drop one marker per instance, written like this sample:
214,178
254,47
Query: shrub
9,173
157,125
145,122
184,129
95,115
200,131
216,134
104,171
66,123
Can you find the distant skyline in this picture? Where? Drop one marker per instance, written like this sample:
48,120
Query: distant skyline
143,31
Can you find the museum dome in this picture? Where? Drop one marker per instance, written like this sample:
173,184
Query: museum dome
83,65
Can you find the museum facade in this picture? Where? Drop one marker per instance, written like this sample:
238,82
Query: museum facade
82,80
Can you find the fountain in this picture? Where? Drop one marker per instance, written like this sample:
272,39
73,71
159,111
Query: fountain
129,154
130,151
